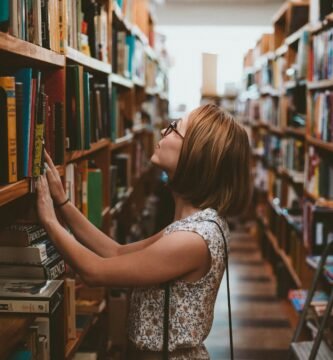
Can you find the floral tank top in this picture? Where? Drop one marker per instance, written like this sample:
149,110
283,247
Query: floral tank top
191,303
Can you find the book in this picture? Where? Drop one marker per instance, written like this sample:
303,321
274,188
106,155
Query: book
35,254
8,150
21,234
298,298
30,296
24,76
95,196
51,269
4,15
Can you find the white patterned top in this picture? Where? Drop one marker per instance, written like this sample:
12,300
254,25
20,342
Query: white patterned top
191,303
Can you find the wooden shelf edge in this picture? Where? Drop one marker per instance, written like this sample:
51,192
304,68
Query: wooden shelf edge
320,143
297,34
30,51
121,81
320,201
295,131
73,344
78,154
320,84
121,142
87,61
14,191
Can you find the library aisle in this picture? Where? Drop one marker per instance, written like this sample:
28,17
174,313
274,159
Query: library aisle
261,328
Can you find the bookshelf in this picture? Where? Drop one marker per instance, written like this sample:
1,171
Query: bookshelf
292,145
111,112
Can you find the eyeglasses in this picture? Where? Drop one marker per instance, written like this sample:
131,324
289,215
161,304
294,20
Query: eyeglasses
170,128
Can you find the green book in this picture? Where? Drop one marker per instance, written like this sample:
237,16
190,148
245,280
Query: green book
95,196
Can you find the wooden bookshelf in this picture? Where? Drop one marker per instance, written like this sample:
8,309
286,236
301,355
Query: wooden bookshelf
29,52
87,61
129,96
281,50
320,143
13,329
276,130
79,154
318,200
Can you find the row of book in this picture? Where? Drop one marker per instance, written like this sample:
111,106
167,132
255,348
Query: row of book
319,174
87,28
323,55
31,110
321,116
88,104
34,21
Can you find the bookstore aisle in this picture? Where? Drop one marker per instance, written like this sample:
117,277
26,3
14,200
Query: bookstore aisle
261,327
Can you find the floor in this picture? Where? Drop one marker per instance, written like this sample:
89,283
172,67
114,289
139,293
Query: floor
261,329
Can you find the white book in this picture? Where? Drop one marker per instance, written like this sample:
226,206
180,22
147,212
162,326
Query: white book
29,296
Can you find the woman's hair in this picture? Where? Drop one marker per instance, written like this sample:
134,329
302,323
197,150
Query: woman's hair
214,164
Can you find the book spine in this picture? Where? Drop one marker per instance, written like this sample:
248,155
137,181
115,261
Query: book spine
39,135
53,272
24,306
8,84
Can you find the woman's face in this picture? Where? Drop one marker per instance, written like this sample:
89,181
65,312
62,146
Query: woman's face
167,150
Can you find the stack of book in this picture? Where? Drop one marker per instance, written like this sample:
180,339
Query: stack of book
27,253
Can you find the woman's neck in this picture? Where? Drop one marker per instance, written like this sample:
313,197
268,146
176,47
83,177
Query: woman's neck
183,208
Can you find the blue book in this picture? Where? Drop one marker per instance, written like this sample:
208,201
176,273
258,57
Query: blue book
24,76
130,42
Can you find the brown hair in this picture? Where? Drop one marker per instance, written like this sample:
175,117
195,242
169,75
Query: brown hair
214,164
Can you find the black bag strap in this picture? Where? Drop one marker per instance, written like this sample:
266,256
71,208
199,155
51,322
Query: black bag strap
167,302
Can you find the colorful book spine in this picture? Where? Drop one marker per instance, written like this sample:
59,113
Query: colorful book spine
8,173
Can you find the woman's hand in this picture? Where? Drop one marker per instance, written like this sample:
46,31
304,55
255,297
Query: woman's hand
54,181
45,207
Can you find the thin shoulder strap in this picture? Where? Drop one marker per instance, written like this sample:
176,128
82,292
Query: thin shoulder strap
228,288
167,301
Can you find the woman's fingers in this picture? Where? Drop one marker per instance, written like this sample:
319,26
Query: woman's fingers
49,161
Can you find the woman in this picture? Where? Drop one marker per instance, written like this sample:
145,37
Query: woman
206,156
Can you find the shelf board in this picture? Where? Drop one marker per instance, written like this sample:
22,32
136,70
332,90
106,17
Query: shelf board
140,129
259,124
276,130
268,90
14,191
281,50
122,142
320,143
292,84
151,91
321,84
87,61
79,154
298,132
13,328
24,49
138,82
140,34
73,344
320,201
121,18
121,81
296,35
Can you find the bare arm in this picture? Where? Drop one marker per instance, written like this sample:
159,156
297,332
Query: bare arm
169,257
83,230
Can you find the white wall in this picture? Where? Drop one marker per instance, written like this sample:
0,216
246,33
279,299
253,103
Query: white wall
186,45
228,30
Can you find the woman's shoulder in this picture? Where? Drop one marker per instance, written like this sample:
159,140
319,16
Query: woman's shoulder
203,221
